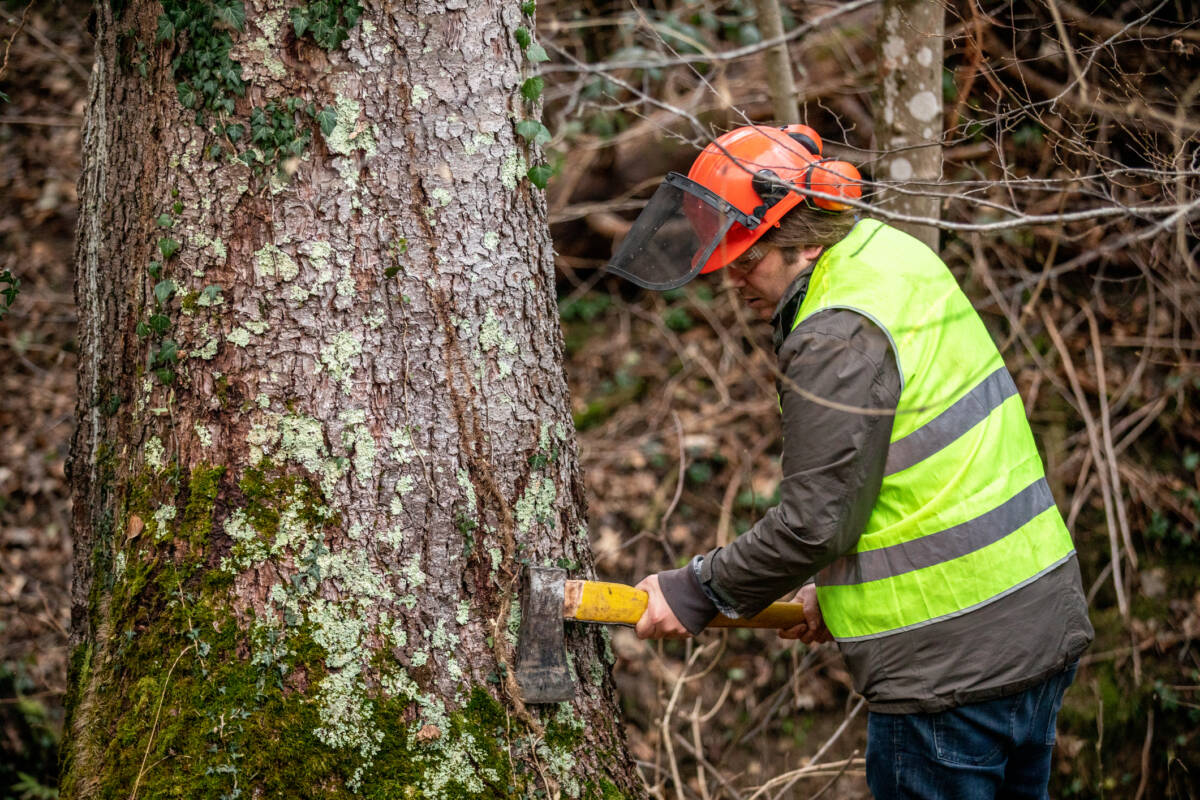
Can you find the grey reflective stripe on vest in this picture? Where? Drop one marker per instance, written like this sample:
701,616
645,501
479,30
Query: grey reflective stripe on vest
936,548
967,610
967,412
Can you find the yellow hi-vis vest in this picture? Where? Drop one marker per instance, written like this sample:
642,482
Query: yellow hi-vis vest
964,514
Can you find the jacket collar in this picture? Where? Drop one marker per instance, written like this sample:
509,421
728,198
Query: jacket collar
789,305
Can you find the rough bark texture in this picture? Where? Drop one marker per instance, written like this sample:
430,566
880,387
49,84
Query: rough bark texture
322,415
909,122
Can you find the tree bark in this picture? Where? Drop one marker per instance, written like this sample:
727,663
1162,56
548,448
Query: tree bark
322,417
780,84
908,127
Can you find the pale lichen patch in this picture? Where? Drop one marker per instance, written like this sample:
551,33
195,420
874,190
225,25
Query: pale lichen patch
375,319
511,170
345,286
271,262
403,449
257,326
162,516
337,358
208,350
154,453
350,133
468,489
477,142
412,573
302,440
265,47
203,435
239,336
536,504
357,437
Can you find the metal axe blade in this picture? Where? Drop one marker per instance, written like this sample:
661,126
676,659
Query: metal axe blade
542,671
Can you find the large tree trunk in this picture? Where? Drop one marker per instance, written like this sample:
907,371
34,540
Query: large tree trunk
908,125
322,415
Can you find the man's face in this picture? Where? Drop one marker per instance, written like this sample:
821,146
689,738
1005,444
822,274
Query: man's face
761,276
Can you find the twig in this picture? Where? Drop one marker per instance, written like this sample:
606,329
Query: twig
664,723
1094,442
702,761
790,778
835,778
154,728
1141,790
678,484
1106,430
46,42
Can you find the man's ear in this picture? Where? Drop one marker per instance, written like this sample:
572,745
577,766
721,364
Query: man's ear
810,253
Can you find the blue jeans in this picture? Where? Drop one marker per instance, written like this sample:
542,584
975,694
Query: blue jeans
995,749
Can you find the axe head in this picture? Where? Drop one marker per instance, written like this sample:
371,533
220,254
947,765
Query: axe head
542,671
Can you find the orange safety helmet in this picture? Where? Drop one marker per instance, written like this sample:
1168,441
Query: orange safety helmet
737,189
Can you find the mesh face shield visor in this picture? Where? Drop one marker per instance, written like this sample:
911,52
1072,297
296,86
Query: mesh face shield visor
679,231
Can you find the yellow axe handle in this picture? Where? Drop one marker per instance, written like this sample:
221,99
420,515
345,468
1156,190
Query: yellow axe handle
596,601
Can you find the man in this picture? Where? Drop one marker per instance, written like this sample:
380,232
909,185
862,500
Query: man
914,512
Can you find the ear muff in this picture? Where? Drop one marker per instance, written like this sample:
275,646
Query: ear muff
833,179
805,140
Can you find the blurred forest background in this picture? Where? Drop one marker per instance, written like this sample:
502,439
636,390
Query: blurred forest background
1070,208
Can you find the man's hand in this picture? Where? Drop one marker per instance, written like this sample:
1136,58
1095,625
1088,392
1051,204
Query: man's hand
812,630
658,621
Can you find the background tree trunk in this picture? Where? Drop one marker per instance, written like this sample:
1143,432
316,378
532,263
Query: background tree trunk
780,85
908,126
322,418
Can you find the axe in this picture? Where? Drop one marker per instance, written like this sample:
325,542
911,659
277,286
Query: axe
548,598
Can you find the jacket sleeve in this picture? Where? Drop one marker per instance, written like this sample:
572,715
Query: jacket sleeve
838,389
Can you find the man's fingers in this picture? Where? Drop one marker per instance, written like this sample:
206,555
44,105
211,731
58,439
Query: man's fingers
794,632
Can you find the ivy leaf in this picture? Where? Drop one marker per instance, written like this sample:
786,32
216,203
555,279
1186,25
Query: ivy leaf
165,221
537,53
177,208
142,330
168,352
187,95
528,8
523,37
168,248
166,30
159,323
533,131
531,89
235,131
299,21
233,15
163,291
10,292
4,98
528,128
155,269
164,375
539,175
327,119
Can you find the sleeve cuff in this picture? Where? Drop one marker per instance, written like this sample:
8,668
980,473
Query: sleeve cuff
687,598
